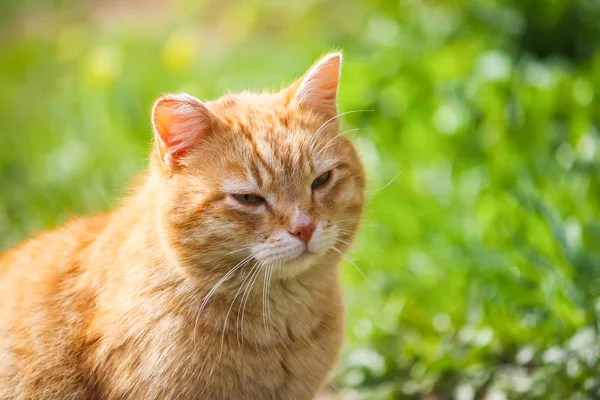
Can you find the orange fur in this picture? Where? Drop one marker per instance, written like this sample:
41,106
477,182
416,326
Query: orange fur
184,291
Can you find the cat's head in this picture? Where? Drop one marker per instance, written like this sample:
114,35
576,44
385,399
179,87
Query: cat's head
261,179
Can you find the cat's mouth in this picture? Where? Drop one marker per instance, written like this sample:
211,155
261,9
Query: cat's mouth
297,264
291,260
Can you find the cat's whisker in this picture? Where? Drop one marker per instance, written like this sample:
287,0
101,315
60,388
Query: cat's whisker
359,250
353,220
270,275
271,269
240,249
371,263
315,135
335,137
371,195
350,261
351,234
249,278
231,307
249,293
245,296
343,241
264,296
349,245
364,223
223,279
214,289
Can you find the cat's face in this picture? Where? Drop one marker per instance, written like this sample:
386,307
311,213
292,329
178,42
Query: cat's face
260,179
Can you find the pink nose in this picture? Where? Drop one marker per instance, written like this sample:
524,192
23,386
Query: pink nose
303,229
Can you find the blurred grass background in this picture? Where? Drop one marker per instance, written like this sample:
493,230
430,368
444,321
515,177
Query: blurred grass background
481,245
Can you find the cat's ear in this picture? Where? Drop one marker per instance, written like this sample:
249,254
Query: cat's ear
180,122
318,87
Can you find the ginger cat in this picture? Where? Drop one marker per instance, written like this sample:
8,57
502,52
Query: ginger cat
216,279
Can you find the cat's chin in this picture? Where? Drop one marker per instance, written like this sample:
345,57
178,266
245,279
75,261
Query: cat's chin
296,266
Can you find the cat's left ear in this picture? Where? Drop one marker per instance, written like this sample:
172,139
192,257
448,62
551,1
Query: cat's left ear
180,122
317,89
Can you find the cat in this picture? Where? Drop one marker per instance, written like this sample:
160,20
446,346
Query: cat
217,278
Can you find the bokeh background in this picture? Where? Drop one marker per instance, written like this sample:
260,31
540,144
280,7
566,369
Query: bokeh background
481,243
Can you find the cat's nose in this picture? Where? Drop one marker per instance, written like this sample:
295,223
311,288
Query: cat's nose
303,228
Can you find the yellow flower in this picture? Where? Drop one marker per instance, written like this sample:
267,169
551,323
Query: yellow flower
179,50
102,66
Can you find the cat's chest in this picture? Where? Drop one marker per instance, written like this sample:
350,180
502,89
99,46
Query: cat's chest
281,352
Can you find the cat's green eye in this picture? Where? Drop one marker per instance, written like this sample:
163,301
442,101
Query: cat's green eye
249,199
321,180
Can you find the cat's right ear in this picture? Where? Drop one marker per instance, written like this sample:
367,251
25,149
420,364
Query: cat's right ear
317,89
180,122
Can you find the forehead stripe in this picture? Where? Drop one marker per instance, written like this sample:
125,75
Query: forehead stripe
265,165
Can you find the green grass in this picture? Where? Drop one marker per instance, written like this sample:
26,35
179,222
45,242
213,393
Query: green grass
481,244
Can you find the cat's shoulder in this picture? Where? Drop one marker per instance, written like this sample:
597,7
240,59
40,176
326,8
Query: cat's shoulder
64,241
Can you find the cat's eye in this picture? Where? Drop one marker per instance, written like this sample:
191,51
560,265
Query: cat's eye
321,180
249,198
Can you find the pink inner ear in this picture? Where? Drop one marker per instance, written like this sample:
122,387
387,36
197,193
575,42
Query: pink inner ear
179,122
318,89
168,127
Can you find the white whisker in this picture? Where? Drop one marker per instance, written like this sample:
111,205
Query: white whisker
359,250
335,137
238,250
248,279
350,261
343,241
214,289
372,194
247,295
231,306
271,268
362,221
314,136
264,298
